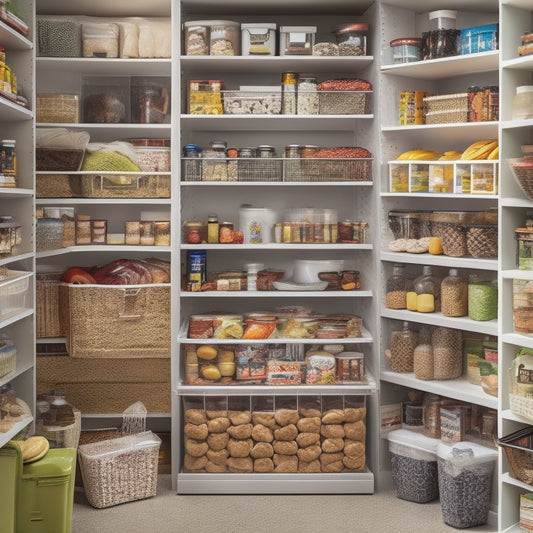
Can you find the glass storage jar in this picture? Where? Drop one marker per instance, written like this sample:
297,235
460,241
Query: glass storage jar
482,299
447,346
427,289
524,245
396,288
307,95
406,50
454,294
351,38
214,164
423,361
402,349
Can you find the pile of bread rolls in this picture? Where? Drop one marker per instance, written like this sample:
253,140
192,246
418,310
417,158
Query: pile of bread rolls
285,441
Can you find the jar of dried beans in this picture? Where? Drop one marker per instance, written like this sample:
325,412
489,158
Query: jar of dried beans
454,294
402,349
396,288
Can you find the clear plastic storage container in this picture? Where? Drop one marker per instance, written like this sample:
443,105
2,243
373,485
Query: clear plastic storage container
296,40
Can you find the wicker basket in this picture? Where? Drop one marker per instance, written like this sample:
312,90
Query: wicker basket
47,298
57,186
320,169
116,320
482,240
259,169
344,102
518,447
120,470
446,108
524,175
453,238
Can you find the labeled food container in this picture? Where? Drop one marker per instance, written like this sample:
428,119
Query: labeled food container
257,224
414,465
524,248
352,38
100,39
350,366
10,235
465,483
258,38
205,97
120,470
478,39
406,50
49,234
296,40
58,108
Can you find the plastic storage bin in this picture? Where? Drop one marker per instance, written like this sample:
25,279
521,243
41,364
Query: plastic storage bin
120,470
296,40
465,483
8,488
414,465
258,38
478,39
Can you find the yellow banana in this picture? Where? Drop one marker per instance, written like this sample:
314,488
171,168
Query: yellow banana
451,155
480,149
418,155
495,154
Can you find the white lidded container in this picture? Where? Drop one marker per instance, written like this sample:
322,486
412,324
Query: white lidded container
306,270
257,224
296,40
465,482
258,38
414,465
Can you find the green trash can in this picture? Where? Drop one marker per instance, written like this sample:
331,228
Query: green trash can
45,492
9,471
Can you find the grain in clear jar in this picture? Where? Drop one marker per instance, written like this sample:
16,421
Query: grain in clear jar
447,353
192,165
423,362
307,96
396,288
454,295
402,349
214,163
162,233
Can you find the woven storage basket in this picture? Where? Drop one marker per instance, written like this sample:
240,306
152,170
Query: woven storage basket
47,298
521,406
116,320
259,169
453,237
57,186
523,174
482,240
120,470
8,357
518,447
344,102
319,169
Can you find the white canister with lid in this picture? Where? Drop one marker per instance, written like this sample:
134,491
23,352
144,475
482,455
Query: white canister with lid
523,103
257,224
258,38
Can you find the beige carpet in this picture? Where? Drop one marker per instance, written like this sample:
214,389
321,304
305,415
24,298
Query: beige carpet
170,513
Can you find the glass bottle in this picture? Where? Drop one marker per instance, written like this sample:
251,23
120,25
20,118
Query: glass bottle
212,229
427,288
288,95
307,96
402,349
396,297
454,294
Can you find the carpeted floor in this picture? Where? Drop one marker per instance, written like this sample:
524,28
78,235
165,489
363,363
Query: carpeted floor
170,513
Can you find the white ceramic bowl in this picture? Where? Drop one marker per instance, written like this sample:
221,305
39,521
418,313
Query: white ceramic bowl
306,270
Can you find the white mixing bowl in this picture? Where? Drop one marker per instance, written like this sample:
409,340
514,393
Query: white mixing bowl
306,270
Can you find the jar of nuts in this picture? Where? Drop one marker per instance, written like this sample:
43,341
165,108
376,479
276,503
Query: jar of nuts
396,288
454,294
402,349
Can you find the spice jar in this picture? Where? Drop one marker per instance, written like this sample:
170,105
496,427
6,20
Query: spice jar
447,353
288,94
402,349
427,289
193,232
396,288
454,294
406,50
351,38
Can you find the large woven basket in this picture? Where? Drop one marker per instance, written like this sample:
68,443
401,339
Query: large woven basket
482,240
453,238
523,174
320,169
120,470
48,316
518,447
116,320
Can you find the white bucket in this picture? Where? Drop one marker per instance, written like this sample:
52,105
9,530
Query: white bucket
257,224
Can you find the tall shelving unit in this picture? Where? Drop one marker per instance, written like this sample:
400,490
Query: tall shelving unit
65,75
16,123
516,19
351,199
439,76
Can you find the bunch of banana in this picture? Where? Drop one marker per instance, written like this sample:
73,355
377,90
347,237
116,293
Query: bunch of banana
451,155
485,149
419,155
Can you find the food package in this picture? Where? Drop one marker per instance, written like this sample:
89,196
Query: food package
320,368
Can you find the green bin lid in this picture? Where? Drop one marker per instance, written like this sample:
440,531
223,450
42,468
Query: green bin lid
56,463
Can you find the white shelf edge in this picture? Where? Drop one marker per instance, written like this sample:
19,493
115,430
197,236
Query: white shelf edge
347,183
452,196
459,389
489,327
15,192
514,124
50,340
507,414
507,478
121,415
278,246
278,294
18,427
19,370
439,260
16,258
13,39
454,126
102,248
342,483
517,274
517,339
103,201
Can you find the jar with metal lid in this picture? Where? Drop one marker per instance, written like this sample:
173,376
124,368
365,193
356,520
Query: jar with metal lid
307,96
308,150
192,166
402,349
351,38
225,233
247,152
396,288
212,229
406,50
194,232
454,294
523,103
265,150
292,150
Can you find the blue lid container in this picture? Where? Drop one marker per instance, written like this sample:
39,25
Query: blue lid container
478,39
